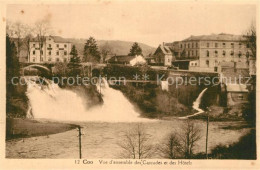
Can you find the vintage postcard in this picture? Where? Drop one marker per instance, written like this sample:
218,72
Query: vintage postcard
129,84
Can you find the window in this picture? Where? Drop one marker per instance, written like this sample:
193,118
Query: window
192,45
33,52
207,63
247,45
216,53
49,52
65,59
49,59
181,45
240,45
195,64
224,44
196,52
57,45
191,64
224,53
232,53
33,45
65,45
197,45
189,45
191,53
207,53
33,59
216,45
57,59
49,45
188,53
41,52
57,53
65,52
207,44
184,45
232,45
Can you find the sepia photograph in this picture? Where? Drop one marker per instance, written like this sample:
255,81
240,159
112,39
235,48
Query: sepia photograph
130,82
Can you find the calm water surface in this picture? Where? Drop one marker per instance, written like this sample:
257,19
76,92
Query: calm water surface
100,139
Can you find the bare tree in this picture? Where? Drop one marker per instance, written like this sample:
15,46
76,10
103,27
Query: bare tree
16,30
171,148
250,37
136,144
42,28
105,50
189,137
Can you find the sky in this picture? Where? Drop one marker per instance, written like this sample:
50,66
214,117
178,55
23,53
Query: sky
148,22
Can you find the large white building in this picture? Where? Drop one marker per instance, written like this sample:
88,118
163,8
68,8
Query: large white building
54,49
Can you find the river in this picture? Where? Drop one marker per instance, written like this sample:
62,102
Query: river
103,126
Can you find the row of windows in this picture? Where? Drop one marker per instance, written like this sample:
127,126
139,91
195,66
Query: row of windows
217,62
57,53
57,45
192,45
49,59
224,53
216,45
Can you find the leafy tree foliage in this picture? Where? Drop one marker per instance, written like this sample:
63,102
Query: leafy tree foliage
75,58
135,50
16,100
91,52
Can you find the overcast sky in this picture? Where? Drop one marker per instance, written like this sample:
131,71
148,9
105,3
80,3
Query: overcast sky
147,22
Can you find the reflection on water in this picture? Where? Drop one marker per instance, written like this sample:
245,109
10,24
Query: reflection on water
101,139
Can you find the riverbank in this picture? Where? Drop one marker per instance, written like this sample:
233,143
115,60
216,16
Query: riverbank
25,128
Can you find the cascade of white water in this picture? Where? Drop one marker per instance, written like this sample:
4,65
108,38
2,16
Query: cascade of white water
52,102
196,103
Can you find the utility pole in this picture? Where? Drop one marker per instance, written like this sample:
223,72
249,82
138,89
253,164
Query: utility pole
79,129
207,133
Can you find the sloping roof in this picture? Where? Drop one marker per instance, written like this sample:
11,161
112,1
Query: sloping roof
165,49
217,37
236,88
121,59
57,39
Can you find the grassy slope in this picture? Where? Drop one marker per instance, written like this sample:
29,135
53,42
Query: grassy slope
20,128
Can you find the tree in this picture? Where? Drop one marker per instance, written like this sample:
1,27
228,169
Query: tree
135,50
91,53
136,144
18,31
105,50
41,29
189,137
12,62
171,148
250,37
26,43
74,53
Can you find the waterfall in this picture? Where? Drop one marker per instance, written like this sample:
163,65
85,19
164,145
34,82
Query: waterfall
51,102
196,105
